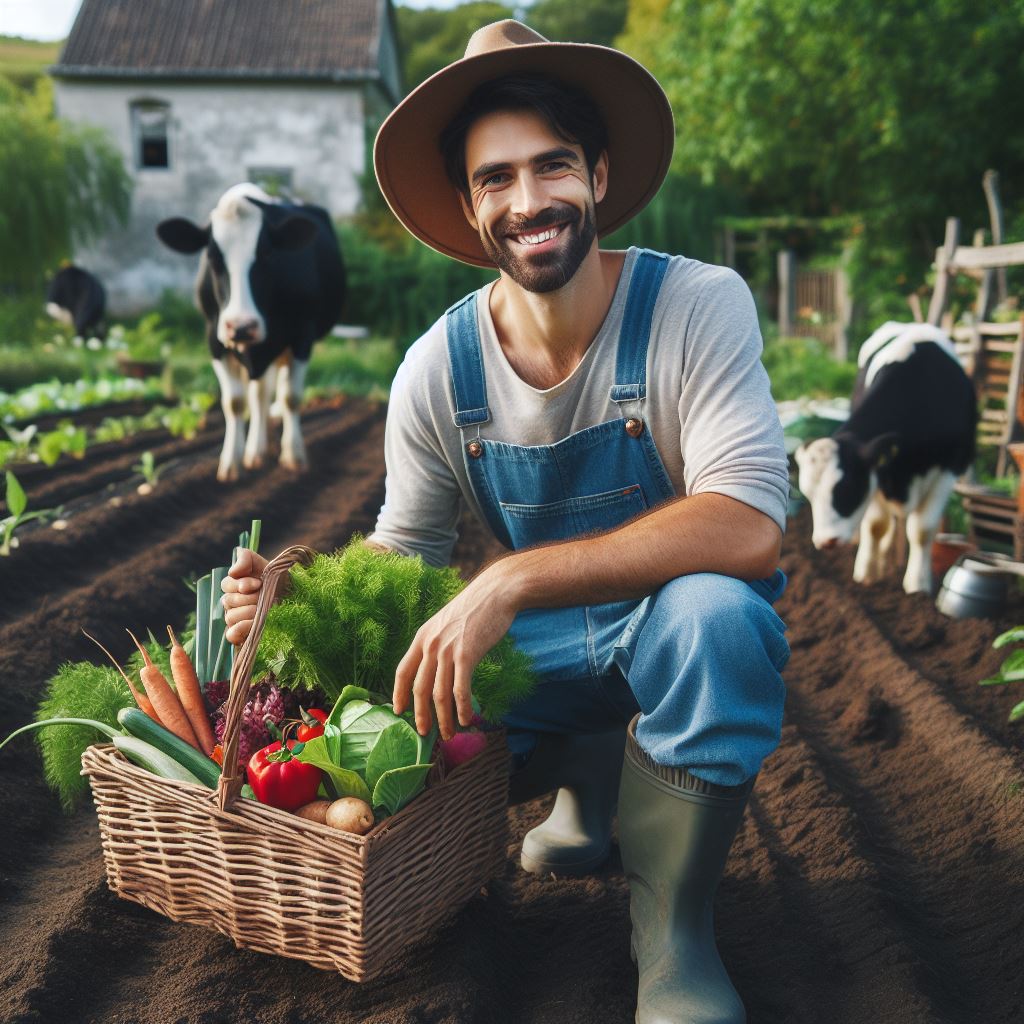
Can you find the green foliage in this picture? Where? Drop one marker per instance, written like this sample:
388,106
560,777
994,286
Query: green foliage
351,616
431,38
570,21
803,367
353,367
17,506
77,187
1012,668
78,690
24,61
149,340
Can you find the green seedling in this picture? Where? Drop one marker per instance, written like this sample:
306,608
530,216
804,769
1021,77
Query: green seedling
150,472
17,505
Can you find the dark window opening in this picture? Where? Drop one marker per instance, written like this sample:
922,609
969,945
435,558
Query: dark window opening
150,127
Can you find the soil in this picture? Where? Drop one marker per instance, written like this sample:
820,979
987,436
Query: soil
878,875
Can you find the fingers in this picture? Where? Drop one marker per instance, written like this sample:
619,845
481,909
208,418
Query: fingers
247,563
463,686
423,691
442,694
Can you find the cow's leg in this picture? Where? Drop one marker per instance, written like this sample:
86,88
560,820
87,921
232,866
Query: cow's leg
922,525
873,528
884,554
231,376
291,381
259,415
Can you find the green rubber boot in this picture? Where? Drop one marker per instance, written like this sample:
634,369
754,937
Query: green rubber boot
577,835
675,831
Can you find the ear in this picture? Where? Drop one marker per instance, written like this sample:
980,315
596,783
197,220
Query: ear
294,232
467,209
182,235
599,179
879,451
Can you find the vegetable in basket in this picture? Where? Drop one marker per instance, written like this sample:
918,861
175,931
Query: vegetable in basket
280,779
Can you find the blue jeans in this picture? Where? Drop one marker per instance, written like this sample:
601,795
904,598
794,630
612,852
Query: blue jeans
700,659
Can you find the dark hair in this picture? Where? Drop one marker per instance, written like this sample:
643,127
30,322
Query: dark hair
571,113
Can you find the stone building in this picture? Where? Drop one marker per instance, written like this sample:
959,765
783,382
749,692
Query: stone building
201,94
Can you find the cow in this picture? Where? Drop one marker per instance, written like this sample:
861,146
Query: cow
910,434
76,298
271,281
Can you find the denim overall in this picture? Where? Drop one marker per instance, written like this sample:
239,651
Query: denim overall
700,657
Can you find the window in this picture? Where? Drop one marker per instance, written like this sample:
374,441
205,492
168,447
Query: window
150,126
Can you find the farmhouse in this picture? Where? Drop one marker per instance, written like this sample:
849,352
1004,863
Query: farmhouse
201,94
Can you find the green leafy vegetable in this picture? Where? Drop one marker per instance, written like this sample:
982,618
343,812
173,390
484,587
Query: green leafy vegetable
396,746
351,616
397,787
346,782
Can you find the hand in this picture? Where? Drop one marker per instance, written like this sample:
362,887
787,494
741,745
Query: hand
241,592
438,667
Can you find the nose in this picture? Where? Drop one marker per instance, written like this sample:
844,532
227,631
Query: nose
528,197
242,329
832,542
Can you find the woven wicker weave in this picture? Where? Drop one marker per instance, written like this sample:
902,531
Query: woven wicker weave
280,884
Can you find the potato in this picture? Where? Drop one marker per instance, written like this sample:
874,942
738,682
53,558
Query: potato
349,814
315,811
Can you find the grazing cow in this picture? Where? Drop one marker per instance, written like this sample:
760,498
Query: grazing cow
271,281
76,298
909,436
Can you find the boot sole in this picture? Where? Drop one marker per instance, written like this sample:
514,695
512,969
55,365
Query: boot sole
567,869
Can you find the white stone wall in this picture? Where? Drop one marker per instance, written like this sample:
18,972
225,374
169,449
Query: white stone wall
217,133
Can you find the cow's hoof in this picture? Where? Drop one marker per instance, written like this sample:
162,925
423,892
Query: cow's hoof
227,474
294,465
253,462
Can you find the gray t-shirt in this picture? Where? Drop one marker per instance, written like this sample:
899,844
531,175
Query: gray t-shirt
708,405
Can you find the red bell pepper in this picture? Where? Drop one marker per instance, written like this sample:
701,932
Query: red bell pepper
312,724
279,779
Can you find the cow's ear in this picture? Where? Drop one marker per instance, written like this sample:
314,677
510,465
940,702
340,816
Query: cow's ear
295,232
182,235
880,451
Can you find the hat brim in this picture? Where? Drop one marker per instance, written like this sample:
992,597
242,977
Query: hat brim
411,172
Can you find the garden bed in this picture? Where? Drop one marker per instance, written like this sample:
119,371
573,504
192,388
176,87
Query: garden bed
876,876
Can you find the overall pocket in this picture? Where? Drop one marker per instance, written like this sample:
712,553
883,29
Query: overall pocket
572,517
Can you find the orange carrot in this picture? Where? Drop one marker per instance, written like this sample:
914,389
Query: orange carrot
190,694
140,698
165,700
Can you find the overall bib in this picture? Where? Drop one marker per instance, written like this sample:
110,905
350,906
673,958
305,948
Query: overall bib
700,658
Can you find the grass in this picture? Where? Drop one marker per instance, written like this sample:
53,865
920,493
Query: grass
25,60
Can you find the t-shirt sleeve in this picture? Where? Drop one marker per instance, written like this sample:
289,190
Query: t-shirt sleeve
731,436
421,507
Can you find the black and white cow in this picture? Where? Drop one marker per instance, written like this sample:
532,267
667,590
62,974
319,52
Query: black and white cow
271,281
909,436
76,298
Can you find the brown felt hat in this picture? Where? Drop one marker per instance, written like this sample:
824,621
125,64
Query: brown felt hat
407,157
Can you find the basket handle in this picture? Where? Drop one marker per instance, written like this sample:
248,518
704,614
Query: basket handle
274,574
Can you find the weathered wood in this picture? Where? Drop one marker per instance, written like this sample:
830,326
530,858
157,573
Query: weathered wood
990,186
915,307
942,258
987,280
969,257
844,314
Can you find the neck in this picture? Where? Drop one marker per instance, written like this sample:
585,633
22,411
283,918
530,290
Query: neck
553,330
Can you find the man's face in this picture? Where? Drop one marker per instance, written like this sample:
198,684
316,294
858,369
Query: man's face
532,200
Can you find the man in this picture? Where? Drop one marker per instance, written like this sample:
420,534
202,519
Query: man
606,415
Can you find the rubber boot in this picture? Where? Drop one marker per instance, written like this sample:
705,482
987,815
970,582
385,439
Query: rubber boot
675,831
576,836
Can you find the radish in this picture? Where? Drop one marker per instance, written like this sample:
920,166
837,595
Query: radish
463,747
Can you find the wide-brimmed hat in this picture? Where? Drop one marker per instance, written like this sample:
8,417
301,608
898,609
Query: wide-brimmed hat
411,170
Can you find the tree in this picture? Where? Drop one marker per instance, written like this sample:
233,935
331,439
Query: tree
59,184
578,21
891,111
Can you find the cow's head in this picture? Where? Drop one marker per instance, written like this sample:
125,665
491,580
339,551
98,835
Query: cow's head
838,478
244,230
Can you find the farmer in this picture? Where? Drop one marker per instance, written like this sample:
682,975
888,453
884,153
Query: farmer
606,415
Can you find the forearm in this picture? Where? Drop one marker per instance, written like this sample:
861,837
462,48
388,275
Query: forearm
704,533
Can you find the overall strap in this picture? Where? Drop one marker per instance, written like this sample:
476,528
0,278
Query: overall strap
631,357
467,364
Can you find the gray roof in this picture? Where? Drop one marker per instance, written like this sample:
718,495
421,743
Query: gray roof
325,40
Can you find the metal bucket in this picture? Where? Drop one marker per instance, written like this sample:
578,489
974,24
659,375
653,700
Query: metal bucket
973,589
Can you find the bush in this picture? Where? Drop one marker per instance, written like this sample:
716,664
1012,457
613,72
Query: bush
803,367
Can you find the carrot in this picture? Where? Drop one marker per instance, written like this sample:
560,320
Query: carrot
189,693
165,700
140,698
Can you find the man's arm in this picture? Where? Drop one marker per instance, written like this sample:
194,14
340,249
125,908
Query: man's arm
704,533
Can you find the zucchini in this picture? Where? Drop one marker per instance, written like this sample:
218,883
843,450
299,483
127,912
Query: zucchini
137,723
145,755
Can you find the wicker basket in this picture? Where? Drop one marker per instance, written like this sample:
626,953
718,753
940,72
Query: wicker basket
280,884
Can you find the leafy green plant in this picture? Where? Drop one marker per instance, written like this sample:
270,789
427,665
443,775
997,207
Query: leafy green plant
66,439
351,616
78,690
17,505
1012,668
148,468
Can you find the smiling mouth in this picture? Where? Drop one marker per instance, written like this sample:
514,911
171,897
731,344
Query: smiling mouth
538,237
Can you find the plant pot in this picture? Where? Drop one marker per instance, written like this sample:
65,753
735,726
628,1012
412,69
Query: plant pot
946,549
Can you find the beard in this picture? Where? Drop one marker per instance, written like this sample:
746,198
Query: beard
548,271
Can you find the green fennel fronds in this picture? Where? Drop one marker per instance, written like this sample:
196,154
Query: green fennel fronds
351,616
78,690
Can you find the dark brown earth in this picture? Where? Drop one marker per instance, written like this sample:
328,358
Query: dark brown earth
878,876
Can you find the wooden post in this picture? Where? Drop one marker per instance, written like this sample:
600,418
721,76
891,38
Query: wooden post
943,257
844,314
990,185
787,291
981,307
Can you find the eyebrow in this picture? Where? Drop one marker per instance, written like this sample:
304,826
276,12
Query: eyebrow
559,153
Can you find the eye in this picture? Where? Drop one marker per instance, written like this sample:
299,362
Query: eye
493,179
554,165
